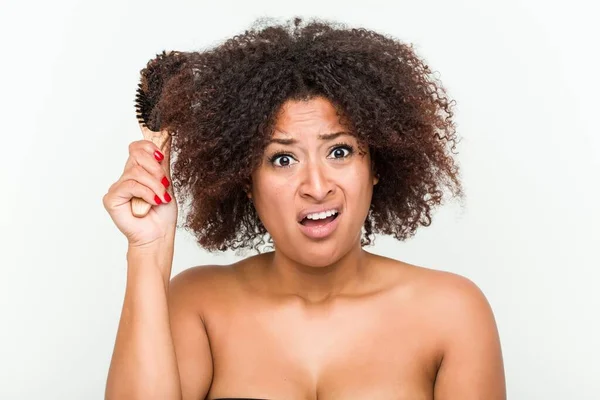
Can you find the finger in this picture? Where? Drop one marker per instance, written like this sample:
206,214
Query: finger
140,157
162,140
143,146
139,174
158,138
124,191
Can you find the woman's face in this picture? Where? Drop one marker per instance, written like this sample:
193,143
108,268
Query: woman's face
312,173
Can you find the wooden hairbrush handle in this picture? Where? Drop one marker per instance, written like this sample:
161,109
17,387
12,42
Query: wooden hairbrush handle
139,206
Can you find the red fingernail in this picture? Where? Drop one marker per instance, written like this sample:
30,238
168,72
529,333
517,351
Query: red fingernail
157,199
167,197
165,182
158,155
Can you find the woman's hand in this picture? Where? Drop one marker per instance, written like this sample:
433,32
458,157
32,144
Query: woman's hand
147,176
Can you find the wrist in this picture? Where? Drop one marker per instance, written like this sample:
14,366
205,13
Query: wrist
160,243
157,255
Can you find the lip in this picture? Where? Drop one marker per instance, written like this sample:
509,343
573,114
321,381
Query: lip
320,232
314,210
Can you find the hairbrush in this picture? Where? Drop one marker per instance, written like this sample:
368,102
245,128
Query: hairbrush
148,93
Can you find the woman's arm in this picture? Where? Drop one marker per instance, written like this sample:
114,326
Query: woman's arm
194,356
472,366
143,364
162,349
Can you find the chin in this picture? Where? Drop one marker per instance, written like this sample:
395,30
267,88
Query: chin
316,255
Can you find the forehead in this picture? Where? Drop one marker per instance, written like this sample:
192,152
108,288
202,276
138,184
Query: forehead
300,117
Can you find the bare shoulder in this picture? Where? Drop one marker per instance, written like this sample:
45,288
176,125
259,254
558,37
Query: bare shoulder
201,286
207,285
191,294
465,330
457,302
461,311
450,291
205,275
452,302
446,293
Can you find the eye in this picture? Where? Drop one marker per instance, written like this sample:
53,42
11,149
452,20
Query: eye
338,150
285,159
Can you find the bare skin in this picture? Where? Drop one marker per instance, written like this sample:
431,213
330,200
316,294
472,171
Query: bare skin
324,319
406,333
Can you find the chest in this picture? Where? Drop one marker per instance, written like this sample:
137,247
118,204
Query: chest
342,351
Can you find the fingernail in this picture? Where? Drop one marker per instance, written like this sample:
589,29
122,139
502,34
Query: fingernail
165,182
158,155
167,197
157,199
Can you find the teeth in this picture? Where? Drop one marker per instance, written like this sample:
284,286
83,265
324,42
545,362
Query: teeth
322,215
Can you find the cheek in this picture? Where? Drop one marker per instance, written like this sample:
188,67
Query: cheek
273,199
272,188
357,178
358,189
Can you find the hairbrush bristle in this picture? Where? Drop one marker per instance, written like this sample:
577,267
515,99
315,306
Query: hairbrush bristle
153,78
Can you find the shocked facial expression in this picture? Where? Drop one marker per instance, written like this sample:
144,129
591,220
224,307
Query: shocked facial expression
314,166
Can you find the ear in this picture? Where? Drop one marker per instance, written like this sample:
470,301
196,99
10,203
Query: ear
247,187
375,174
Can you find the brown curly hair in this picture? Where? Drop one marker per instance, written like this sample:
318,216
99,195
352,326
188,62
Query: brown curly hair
220,106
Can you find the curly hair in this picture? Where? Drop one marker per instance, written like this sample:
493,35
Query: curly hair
220,105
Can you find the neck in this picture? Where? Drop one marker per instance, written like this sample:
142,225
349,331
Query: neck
287,276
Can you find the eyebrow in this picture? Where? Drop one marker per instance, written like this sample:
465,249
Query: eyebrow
325,136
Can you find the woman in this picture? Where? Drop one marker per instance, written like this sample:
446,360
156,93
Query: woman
306,134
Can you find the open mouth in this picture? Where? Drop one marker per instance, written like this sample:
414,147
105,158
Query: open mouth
318,229
318,222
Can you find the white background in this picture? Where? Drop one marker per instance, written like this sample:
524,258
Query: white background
524,75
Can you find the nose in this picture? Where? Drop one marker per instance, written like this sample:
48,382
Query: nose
316,182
